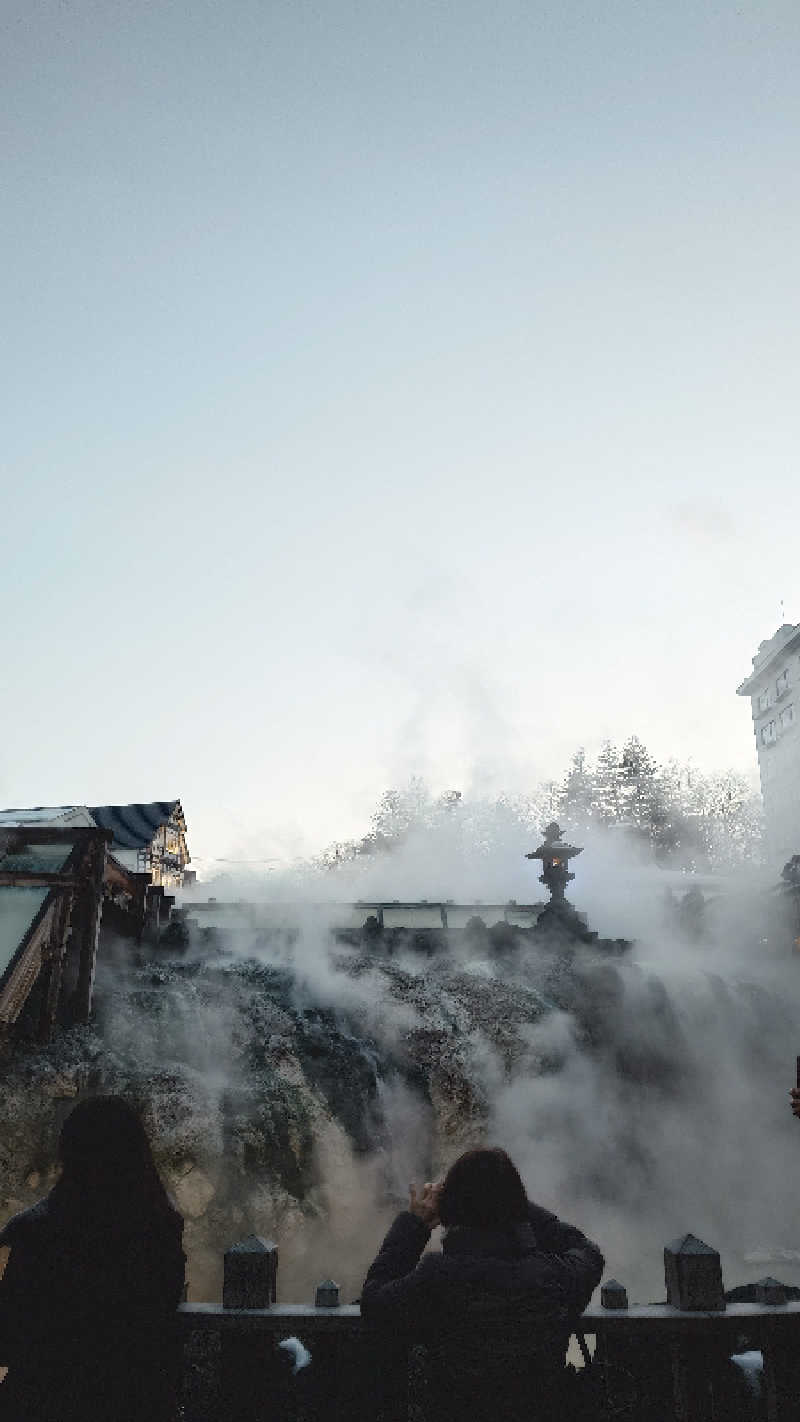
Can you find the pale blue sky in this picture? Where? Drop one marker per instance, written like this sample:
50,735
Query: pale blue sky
389,388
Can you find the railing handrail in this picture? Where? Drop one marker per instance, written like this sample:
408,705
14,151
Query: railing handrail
660,1317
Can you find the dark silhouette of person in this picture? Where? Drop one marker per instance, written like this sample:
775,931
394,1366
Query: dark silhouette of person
496,1307
93,1279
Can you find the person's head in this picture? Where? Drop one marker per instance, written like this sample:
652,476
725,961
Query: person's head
483,1190
105,1154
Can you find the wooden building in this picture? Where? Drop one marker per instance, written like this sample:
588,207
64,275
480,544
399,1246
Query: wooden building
64,870
51,896
147,839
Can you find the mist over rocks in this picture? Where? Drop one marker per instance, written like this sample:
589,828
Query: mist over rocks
293,1080
256,1088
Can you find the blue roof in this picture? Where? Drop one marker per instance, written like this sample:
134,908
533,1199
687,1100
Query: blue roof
134,826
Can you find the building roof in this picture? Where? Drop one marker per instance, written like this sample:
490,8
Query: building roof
134,826
785,639
66,816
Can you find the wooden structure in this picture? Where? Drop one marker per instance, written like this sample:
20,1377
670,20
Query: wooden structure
389,913
51,898
63,870
147,838
652,1363
450,913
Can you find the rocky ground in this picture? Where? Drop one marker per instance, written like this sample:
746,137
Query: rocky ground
260,1087
293,1089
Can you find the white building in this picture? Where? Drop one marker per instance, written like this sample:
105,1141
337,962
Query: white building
774,691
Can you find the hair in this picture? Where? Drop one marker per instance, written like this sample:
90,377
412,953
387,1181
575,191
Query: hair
483,1189
107,1162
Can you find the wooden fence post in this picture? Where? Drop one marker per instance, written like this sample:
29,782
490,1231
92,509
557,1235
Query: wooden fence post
693,1275
701,1368
322,1389
781,1367
250,1274
252,1377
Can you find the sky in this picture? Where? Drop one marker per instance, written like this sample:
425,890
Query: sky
388,389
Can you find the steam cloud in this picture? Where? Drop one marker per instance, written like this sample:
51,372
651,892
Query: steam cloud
641,1096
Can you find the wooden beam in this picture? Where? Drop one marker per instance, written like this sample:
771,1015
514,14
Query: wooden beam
54,967
91,912
34,879
54,834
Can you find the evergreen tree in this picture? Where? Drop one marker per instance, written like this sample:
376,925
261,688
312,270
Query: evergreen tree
577,794
397,812
688,819
637,785
674,833
606,791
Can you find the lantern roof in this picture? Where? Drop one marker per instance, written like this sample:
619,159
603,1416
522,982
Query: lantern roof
554,846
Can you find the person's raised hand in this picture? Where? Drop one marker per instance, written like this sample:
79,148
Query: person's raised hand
795,1095
426,1205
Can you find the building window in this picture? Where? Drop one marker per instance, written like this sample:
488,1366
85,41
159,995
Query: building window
787,717
763,701
768,734
782,684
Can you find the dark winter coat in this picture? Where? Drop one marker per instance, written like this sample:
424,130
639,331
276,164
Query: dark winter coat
87,1310
495,1309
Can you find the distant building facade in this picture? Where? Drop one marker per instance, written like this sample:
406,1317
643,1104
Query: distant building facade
774,691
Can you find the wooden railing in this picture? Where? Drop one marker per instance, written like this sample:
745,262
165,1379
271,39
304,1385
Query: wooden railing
651,1363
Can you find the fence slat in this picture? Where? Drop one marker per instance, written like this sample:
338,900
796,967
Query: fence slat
656,1363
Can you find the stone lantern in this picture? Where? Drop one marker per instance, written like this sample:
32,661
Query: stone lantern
559,926
555,855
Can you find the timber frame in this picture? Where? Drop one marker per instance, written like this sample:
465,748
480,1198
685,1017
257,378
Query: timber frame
71,912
